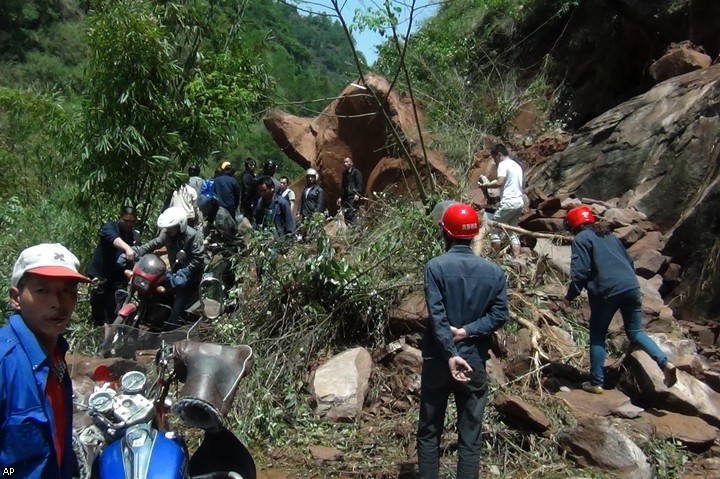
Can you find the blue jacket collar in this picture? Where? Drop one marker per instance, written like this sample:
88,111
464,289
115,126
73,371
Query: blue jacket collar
461,248
30,344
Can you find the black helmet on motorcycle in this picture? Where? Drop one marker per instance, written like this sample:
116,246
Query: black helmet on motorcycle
173,216
152,265
269,167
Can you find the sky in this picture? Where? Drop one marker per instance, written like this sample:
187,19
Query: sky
367,40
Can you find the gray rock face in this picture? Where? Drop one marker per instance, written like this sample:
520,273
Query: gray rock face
658,152
340,385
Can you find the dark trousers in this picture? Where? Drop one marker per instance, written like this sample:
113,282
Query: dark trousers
183,297
103,304
349,210
436,386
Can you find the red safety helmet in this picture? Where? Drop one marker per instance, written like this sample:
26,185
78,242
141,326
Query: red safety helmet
579,216
460,221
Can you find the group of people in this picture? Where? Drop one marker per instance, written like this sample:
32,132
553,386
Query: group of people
466,297
194,209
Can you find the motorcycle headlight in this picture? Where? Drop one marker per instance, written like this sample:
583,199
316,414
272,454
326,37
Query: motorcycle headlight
140,283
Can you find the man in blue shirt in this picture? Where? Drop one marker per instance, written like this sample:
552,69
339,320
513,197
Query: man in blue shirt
600,264
467,300
35,388
227,189
272,211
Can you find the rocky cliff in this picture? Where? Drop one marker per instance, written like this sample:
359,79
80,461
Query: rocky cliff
657,152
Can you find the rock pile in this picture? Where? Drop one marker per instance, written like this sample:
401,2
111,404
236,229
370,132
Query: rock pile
540,367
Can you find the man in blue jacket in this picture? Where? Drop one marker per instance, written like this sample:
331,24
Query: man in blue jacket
601,265
35,388
227,189
272,211
467,300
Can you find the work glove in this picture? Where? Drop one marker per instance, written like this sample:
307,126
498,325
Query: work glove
176,280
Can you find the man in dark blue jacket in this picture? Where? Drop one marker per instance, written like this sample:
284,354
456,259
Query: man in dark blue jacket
227,189
116,238
600,264
467,300
352,187
35,388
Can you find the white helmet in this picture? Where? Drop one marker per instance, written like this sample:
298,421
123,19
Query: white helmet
312,172
173,216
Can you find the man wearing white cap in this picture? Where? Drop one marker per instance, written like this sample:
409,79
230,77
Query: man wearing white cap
35,388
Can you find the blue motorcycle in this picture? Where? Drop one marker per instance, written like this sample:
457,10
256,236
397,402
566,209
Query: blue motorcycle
127,434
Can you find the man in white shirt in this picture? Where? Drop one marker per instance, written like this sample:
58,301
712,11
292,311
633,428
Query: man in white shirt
185,197
510,181
287,193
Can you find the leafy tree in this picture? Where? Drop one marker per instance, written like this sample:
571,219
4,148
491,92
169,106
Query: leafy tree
159,96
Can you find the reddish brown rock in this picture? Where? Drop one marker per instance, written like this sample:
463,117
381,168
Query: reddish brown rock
648,225
547,225
519,353
678,60
629,235
495,371
623,216
549,206
702,469
569,203
522,413
649,263
652,303
673,273
354,125
652,240
688,396
587,404
693,432
324,453
410,315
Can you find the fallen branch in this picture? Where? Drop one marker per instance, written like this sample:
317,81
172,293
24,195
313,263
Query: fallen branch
540,368
535,234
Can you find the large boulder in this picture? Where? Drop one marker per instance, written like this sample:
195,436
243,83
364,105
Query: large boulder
355,125
657,151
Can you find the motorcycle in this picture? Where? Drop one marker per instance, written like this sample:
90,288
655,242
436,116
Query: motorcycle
147,301
127,433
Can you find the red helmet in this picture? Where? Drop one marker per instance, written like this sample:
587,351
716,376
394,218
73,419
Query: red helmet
460,221
579,216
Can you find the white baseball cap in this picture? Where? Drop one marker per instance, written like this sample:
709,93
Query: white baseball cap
47,259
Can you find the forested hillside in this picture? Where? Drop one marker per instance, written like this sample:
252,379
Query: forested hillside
104,102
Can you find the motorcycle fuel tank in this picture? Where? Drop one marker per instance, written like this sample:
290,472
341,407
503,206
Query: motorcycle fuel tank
144,453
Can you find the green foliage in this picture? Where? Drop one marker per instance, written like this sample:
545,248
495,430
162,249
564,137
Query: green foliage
37,184
460,65
314,299
156,100
668,457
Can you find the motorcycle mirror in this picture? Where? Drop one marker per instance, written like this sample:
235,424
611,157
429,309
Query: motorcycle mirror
212,297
